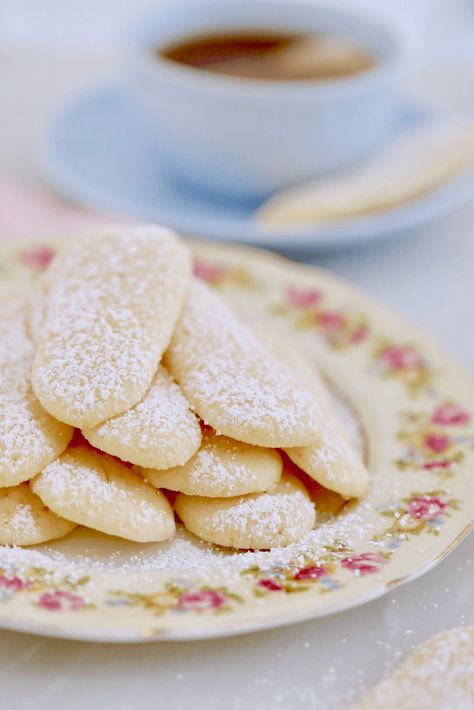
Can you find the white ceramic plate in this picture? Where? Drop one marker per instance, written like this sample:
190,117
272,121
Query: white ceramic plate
97,153
413,408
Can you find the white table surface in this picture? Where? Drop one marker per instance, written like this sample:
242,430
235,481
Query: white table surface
429,278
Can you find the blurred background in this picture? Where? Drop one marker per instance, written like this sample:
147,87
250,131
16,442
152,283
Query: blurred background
51,52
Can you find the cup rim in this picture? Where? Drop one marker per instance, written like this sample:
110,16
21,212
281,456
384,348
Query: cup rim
195,78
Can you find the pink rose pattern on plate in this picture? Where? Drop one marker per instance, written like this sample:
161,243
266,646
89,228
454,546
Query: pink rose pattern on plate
364,563
212,273
420,512
308,309
59,600
403,362
178,599
202,600
449,414
45,593
13,584
38,258
427,507
433,442
304,297
293,577
219,275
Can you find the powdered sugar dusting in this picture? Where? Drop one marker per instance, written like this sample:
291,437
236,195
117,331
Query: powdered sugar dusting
94,490
266,515
438,674
29,438
222,467
332,461
24,520
111,304
159,432
15,347
209,468
232,382
85,548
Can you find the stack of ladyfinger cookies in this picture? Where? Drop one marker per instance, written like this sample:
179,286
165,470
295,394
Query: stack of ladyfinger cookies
130,392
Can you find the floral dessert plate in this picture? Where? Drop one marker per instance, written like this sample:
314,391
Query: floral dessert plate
406,405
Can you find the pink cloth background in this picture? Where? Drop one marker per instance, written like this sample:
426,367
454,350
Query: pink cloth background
31,214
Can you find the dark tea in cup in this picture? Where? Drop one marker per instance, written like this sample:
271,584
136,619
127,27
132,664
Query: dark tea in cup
270,55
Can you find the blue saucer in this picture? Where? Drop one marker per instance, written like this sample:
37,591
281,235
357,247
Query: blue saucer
97,154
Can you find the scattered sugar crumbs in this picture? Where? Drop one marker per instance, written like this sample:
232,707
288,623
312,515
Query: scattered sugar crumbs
85,550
